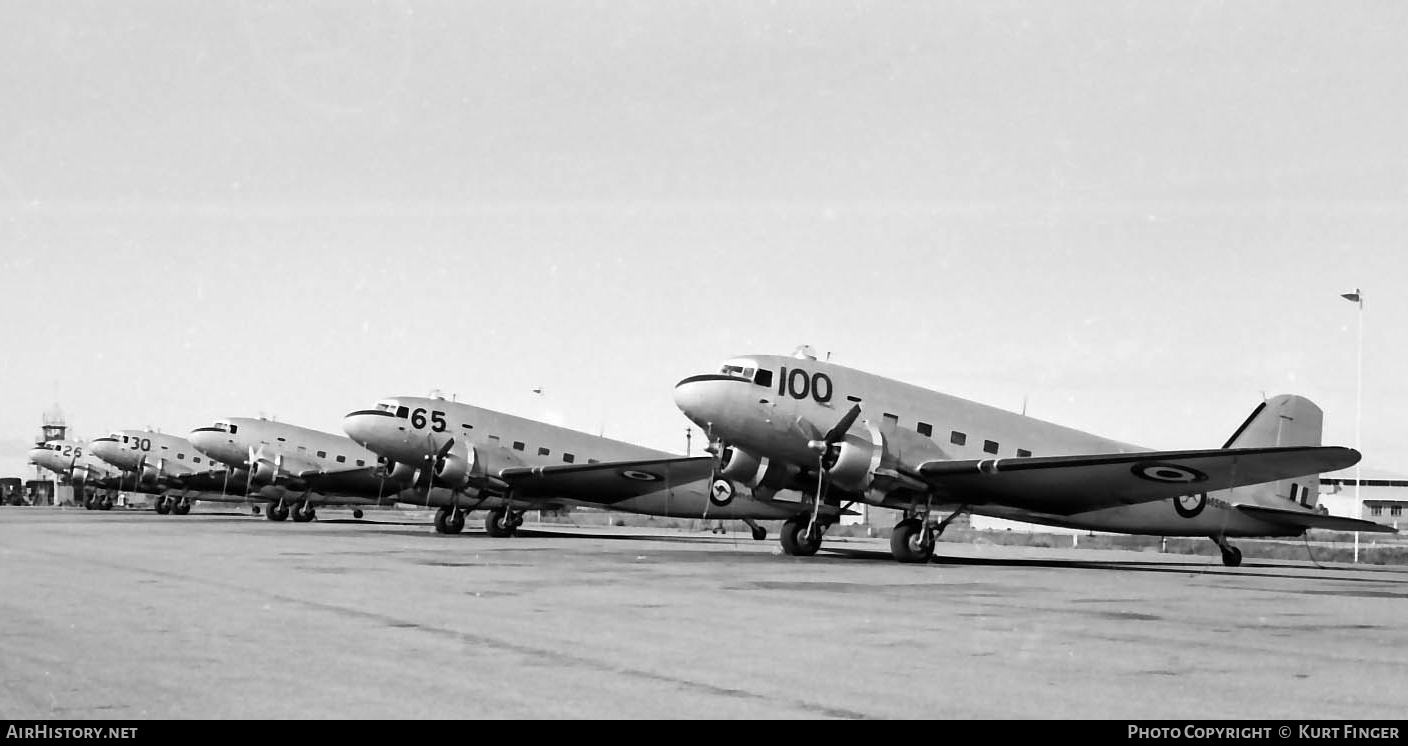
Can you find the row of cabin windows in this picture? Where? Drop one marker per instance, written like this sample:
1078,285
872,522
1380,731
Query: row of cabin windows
404,412
960,438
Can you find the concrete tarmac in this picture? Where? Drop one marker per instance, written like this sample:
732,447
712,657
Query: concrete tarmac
129,615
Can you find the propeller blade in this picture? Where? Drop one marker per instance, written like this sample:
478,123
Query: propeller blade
839,430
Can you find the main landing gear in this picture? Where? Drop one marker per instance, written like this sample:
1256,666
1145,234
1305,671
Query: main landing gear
1231,556
304,513
276,511
163,506
503,522
914,537
759,533
800,538
449,520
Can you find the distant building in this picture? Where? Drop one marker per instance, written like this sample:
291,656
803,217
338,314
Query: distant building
1384,498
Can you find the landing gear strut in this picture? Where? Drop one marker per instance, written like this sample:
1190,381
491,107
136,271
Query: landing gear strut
276,512
502,522
181,507
162,506
759,533
304,513
797,540
449,520
912,541
1231,556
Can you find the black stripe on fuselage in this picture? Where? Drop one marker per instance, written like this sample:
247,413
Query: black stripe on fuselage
712,377
105,440
209,430
381,412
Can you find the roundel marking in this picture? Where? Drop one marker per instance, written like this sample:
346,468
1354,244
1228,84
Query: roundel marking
1189,506
721,492
1155,471
640,476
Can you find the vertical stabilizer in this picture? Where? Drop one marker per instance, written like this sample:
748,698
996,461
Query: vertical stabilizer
1284,420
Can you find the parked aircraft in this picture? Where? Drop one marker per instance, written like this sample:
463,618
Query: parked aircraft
508,465
796,422
157,463
295,468
88,474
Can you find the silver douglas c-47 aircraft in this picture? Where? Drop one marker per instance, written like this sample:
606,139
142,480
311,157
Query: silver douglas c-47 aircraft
71,459
508,465
796,422
296,468
158,462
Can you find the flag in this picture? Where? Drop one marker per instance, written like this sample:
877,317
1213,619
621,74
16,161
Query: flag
1352,297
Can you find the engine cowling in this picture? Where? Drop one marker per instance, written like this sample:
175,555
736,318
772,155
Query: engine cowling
457,469
401,473
756,472
149,475
263,472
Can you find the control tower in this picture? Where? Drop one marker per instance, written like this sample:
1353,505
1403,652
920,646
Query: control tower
54,427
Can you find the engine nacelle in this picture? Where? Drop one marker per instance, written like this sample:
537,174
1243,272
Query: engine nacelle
456,469
149,475
401,473
743,467
263,472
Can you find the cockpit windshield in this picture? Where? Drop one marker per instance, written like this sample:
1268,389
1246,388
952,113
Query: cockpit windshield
739,371
386,405
748,371
226,427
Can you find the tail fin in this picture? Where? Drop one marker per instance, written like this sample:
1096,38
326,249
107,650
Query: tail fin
1284,420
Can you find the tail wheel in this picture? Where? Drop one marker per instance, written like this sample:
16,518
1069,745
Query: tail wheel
797,540
1232,558
760,533
908,542
356,514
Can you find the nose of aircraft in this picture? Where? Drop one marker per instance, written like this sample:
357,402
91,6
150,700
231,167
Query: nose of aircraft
103,448
703,398
205,438
365,425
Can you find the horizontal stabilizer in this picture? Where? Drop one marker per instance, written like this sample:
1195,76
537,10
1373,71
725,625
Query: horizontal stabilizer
1302,519
1074,484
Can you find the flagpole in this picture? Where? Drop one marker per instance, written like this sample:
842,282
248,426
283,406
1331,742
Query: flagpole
1358,420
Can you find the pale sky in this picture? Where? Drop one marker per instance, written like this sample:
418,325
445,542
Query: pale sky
1136,216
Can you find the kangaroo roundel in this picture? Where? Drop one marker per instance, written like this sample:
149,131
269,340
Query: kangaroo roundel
1189,506
721,492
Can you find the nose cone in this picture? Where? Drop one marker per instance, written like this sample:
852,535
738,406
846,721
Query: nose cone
105,449
704,399
207,440
369,427
36,456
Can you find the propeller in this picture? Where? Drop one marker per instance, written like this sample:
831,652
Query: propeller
826,451
254,457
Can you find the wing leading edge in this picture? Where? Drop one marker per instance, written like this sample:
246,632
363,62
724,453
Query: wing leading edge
1074,484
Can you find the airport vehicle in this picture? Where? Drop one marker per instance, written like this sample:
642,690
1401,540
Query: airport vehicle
87,473
295,469
508,465
157,463
796,422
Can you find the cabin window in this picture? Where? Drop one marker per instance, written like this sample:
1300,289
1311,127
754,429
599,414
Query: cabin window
196,459
1023,453
926,429
542,451
517,445
181,456
341,459
568,458
763,378
957,438
403,412
990,446
592,461
494,438
891,420
361,462
322,454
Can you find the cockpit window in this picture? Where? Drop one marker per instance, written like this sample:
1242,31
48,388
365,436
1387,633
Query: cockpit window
763,378
234,429
386,406
733,370
403,412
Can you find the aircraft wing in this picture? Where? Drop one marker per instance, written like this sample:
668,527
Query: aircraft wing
1304,519
606,482
1072,484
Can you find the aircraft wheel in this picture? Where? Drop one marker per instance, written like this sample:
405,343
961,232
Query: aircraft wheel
356,514
1232,558
88,502
760,533
441,516
908,543
455,522
162,506
254,510
274,513
303,516
796,541
105,504
497,524
181,508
